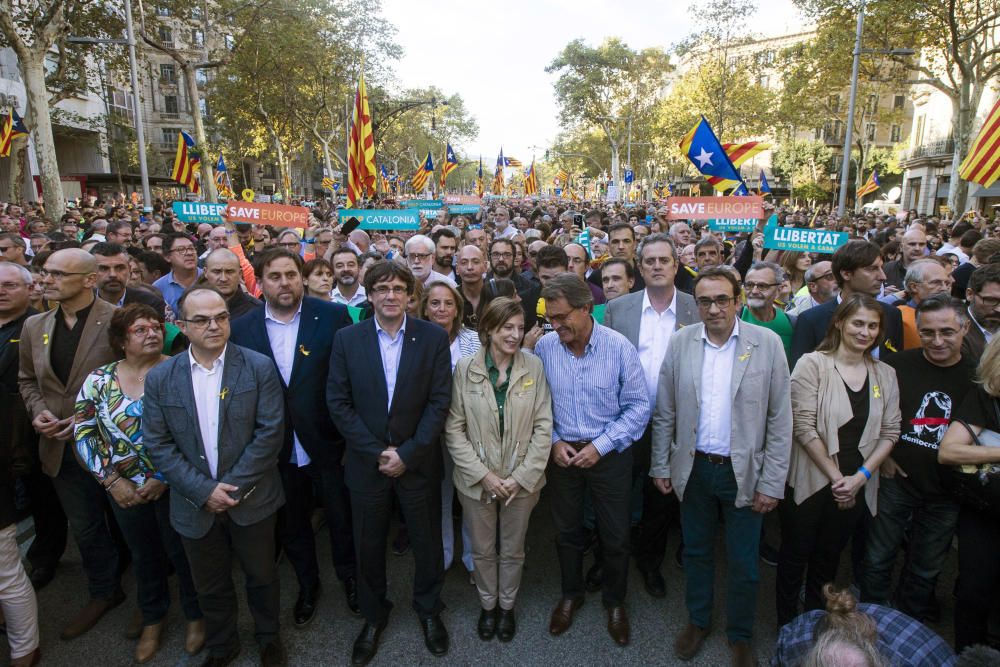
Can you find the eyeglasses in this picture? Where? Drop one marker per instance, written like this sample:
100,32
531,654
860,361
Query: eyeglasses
143,331
419,256
290,245
59,275
751,286
5,248
10,287
502,255
383,290
722,302
186,250
825,276
938,284
202,323
931,334
988,301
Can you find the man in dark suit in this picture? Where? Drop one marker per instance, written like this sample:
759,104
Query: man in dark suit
388,393
296,332
213,425
857,267
983,296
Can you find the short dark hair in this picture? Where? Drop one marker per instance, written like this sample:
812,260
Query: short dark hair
984,249
970,239
344,251
570,287
724,272
125,317
170,239
942,301
264,259
496,314
552,257
197,287
618,261
854,255
989,273
116,225
155,235
618,226
105,249
387,270
154,261
445,232
499,240
315,264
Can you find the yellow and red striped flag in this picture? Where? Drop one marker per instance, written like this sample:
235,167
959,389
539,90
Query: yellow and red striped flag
187,161
420,178
561,178
498,178
479,178
12,128
449,164
982,164
531,180
871,185
361,149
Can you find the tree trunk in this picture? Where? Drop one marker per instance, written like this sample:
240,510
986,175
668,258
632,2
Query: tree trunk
209,193
33,72
19,155
615,165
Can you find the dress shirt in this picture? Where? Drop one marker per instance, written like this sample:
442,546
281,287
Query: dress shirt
65,342
359,297
207,386
655,330
171,289
716,415
508,233
986,334
391,350
282,337
600,396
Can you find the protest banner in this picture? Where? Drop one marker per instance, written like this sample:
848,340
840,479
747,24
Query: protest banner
406,219
197,212
707,208
742,225
463,199
422,203
279,215
464,209
803,240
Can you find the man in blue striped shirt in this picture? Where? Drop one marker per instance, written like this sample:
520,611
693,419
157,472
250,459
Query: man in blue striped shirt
600,406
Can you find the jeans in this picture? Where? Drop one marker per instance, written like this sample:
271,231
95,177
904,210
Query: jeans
85,502
155,545
710,490
930,530
448,522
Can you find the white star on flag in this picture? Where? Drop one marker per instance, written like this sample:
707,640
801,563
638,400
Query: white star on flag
704,158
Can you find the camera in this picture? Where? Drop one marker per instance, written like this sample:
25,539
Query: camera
578,220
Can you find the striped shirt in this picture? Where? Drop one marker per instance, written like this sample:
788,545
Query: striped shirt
600,396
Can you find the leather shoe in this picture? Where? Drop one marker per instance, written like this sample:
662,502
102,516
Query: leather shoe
618,626
689,641
221,660
351,592
506,625
149,642
435,634
91,614
273,654
654,583
305,606
366,645
595,578
487,626
562,615
41,576
742,654
194,637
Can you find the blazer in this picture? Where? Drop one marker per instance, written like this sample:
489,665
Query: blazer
624,314
820,406
974,343
305,393
810,329
358,401
251,434
40,387
761,426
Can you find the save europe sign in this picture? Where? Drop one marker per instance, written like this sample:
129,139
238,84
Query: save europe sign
279,215
707,208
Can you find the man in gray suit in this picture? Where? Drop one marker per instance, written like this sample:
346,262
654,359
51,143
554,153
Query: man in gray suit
214,425
722,435
648,319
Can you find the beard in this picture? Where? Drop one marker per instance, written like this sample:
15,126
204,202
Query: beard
757,304
347,280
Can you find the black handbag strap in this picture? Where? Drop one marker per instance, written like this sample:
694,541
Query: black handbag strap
975,438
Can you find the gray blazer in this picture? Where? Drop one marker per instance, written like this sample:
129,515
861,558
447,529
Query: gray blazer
251,432
624,314
761,427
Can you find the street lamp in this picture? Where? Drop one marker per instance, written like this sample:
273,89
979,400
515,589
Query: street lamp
557,153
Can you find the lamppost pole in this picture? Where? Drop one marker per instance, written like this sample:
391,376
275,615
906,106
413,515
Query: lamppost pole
845,167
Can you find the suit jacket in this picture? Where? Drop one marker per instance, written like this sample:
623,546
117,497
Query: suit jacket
40,387
251,432
810,329
761,426
358,402
305,393
624,314
974,343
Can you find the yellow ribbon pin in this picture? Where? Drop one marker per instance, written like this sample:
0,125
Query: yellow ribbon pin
889,346
45,339
876,392
303,350
224,393
745,355
527,383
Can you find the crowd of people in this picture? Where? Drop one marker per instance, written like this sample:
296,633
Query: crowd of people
180,397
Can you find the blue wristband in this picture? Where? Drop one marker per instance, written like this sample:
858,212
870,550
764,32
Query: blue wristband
865,472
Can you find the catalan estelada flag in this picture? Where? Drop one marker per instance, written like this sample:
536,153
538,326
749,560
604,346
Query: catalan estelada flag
187,161
703,149
384,180
872,184
419,179
223,185
360,148
12,128
512,162
765,188
531,180
982,164
450,164
498,179
561,178
479,178
740,153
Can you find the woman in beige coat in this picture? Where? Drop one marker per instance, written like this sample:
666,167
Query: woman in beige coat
845,420
499,432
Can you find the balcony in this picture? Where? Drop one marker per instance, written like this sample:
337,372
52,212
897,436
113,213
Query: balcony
166,115
940,148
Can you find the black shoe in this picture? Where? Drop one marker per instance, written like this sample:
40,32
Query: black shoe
654,583
506,625
41,576
305,605
273,655
221,661
351,593
595,578
435,634
366,645
768,554
401,544
487,626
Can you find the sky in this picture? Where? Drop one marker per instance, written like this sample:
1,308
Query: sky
494,54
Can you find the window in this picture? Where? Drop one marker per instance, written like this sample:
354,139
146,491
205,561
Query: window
120,105
166,36
819,134
230,42
838,130
197,38
835,103
170,104
163,11
870,131
201,76
897,102
895,133
196,13
764,81
168,73
203,105
920,131
169,135
872,104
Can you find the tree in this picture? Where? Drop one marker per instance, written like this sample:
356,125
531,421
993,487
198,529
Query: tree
610,87
804,165
38,31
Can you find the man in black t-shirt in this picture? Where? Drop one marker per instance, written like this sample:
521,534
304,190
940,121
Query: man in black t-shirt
933,381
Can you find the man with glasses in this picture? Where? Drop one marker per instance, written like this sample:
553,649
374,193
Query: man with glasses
533,249
392,424
322,241
722,435
420,260
924,278
184,272
290,240
983,297
119,232
820,285
213,423
762,284
58,349
12,249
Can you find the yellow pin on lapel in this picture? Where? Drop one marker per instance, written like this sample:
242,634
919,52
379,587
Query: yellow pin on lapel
876,392
889,346
527,382
45,339
303,350
224,393
746,355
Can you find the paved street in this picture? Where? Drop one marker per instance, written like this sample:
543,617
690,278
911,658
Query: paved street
327,641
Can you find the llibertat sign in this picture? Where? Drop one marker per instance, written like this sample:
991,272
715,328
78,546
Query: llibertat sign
707,208
804,240
402,219
733,225
198,212
278,215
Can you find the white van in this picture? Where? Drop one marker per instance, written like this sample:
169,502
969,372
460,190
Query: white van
882,207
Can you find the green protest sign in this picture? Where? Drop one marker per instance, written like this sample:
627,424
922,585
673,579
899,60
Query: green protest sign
422,203
383,218
803,240
463,209
199,212
733,224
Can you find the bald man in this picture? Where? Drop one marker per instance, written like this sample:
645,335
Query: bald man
58,349
222,271
912,246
